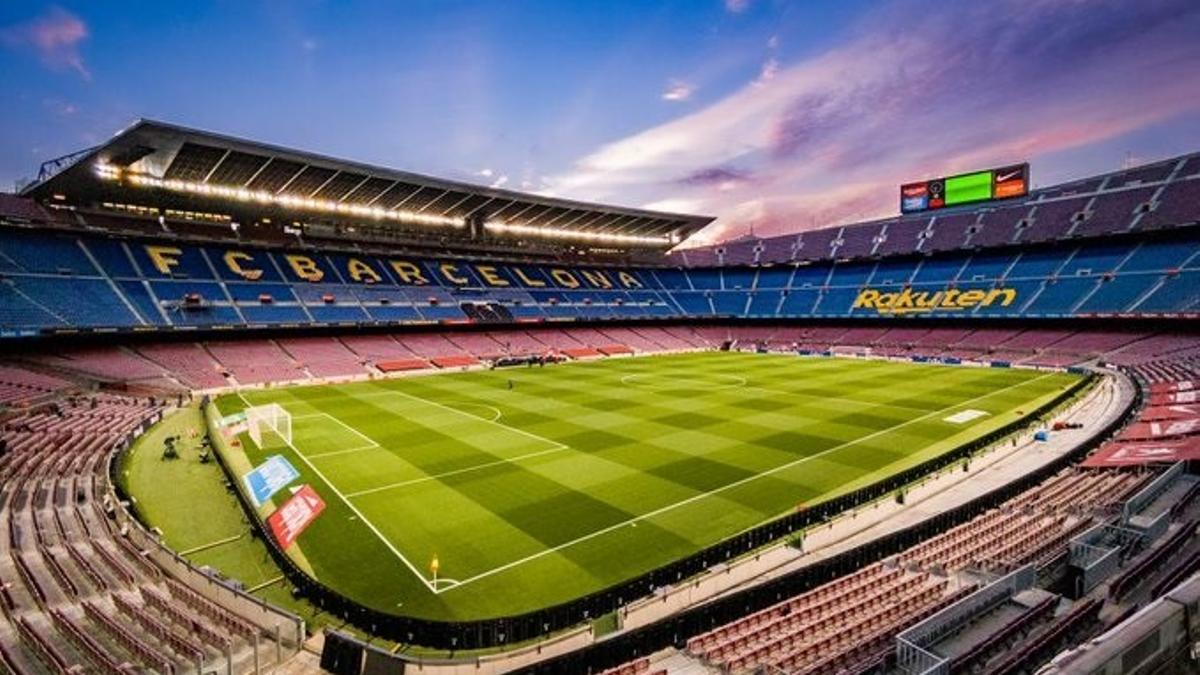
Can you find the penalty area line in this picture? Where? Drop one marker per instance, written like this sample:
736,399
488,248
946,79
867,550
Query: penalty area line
455,472
365,521
442,406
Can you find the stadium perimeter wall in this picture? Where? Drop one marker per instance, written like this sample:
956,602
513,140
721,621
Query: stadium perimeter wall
502,631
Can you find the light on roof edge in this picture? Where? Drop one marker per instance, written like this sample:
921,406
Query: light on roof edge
116,174
109,172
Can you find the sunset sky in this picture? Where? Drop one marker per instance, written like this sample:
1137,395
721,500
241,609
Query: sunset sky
778,115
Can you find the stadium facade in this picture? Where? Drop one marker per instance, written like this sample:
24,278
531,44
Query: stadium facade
169,262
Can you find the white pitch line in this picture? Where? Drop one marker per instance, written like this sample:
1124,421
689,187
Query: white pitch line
475,417
866,404
347,451
386,542
744,384
743,481
455,472
360,434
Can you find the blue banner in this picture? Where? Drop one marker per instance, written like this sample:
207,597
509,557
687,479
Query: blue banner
269,477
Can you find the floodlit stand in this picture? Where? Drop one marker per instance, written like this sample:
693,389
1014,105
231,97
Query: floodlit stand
272,417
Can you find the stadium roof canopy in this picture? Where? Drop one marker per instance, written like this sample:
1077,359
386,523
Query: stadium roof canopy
189,169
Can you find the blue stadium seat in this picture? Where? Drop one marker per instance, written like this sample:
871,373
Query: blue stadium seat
764,303
851,274
935,270
274,314
1160,256
704,279
694,303
737,278
113,258
139,296
837,302
45,253
774,277
1176,294
1118,294
18,312
1058,297
799,303
983,266
337,313
1036,263
389,313
1095,259
730,303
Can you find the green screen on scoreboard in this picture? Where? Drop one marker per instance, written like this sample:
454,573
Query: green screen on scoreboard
970,187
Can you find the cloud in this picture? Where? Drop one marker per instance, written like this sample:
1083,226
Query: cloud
486,173
736,6
770,68
832,136
719,177
60,107
677,91
500,181
55,37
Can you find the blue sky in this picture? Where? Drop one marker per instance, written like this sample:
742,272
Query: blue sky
777,115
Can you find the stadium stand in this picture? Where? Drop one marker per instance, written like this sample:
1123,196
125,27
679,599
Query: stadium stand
66,551
101,306
1085,279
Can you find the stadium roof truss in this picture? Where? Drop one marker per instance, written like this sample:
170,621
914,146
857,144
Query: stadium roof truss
192,169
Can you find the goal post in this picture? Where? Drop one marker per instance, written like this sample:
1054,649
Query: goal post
271,417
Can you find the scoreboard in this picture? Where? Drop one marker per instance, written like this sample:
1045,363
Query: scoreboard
967,188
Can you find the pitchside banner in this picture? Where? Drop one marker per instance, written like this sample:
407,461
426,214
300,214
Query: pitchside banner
296,514
269,477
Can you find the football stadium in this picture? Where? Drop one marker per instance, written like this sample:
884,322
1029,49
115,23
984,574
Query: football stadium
269,410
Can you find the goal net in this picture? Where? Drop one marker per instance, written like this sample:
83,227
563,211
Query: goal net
271,418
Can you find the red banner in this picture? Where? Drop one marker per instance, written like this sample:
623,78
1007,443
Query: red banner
1127,453
289,520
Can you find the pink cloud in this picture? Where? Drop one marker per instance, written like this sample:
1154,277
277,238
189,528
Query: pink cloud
833,136
54,36
678,91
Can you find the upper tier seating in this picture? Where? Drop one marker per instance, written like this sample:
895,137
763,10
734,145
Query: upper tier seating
1053,280
1160,195
1121,244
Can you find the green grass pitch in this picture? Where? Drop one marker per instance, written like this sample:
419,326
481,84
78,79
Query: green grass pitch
586,474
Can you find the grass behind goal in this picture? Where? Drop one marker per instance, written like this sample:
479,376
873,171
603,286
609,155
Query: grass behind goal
582,475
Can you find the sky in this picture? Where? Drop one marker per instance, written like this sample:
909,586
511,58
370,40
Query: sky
773,116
